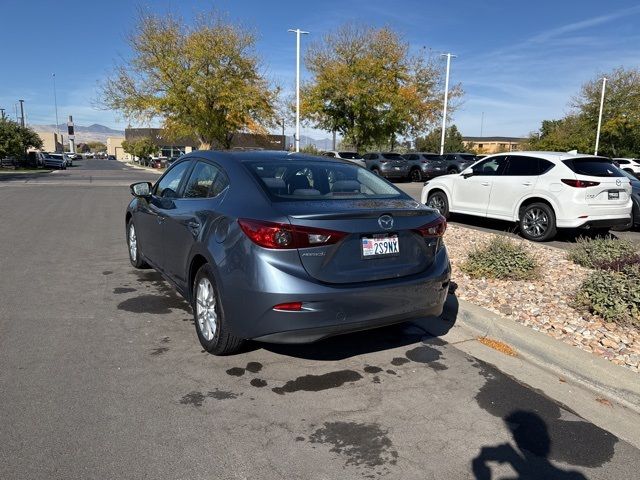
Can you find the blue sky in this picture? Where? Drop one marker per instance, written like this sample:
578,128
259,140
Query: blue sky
518,62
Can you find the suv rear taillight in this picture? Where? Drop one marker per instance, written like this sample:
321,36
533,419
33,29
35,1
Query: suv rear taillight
579,183
433,229
287,236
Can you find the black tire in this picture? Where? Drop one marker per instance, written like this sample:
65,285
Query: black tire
135,258
439,201
415,175
376,171
537,222
221,341
451,171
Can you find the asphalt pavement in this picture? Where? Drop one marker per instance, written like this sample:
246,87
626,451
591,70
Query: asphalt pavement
564,239
102,376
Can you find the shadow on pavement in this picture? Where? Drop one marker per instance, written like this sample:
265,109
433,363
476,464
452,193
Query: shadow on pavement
23,176
530,459
358,343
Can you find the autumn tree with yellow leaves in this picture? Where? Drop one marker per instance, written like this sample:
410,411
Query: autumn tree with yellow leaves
367,86
201,79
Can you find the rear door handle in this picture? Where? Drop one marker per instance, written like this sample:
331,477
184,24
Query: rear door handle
527,184
485,184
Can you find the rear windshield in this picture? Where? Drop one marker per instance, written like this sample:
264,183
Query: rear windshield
350,155
469,158
392,156
319,180
431,156
593,166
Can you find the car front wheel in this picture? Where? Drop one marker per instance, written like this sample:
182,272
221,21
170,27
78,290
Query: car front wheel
416,175
211,325
538,222
134,247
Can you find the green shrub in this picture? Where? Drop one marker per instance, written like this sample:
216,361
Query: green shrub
600,252
500,258
613,295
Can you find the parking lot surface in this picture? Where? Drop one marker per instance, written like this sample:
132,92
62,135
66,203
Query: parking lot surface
102,376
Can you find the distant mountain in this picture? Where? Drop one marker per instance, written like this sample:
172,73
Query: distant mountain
322,144
92,133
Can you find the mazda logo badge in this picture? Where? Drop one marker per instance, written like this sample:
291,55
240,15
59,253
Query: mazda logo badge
618,183
386,222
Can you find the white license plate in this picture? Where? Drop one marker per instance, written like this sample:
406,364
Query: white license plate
380,246
614,195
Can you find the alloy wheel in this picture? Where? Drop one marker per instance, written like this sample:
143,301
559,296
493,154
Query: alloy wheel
206,309
535,222
415,176
133,243
437,202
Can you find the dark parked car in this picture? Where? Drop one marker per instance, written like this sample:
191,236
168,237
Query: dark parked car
635,197
387,164
456,162
287,248
424,165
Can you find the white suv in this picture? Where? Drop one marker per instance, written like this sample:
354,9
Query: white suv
631,165
542,191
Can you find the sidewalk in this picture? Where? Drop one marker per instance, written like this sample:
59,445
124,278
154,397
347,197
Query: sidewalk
158,171
596,389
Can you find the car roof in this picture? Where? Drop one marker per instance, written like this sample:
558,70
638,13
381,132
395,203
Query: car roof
550,155
260,155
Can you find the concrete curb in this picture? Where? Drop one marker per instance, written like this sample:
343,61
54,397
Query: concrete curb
588,370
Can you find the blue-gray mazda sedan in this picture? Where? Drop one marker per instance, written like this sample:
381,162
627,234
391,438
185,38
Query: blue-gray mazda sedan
287,248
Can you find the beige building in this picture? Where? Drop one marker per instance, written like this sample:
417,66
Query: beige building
114,147
489,145
51,142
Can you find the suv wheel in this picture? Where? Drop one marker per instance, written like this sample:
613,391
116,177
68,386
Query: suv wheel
376,171
537,222
134,247
438,200
416,175
211,326
452,170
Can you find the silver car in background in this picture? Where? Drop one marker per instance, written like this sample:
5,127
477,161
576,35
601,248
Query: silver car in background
353,157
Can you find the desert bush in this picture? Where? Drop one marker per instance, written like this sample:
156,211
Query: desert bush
501,258
613,294
598,252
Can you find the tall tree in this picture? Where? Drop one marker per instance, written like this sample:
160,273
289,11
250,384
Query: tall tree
141,148
200,79
431,142
367,87
16,139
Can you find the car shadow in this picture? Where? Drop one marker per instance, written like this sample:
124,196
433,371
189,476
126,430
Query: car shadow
530,458
23,176
350,345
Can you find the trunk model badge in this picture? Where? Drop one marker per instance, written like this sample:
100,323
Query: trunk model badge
385,222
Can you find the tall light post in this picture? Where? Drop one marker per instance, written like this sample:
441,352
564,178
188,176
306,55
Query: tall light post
21,112
446,98
604,84
55,102
298,32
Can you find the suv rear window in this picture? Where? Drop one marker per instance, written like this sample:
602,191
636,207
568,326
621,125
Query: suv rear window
350,155
468,158
392,156
315,180
593,167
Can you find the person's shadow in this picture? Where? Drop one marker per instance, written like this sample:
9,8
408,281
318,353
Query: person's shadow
530,460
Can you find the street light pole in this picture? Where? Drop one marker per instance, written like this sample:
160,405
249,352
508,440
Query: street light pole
604,84
446,98
55,102
21,112
298,32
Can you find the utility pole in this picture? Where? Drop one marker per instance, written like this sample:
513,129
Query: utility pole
21,112
604,84
298,32
482,124
446,98
334,141
284,139
55,102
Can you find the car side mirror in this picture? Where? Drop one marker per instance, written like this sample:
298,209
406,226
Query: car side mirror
141,189
467,172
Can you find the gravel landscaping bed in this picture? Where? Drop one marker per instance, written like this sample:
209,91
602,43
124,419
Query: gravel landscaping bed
544,304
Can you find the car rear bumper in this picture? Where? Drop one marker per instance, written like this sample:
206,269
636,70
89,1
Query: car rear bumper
394,173
601,221
335,309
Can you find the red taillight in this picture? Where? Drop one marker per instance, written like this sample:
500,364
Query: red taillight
284,235
433,229
289,307
579,183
